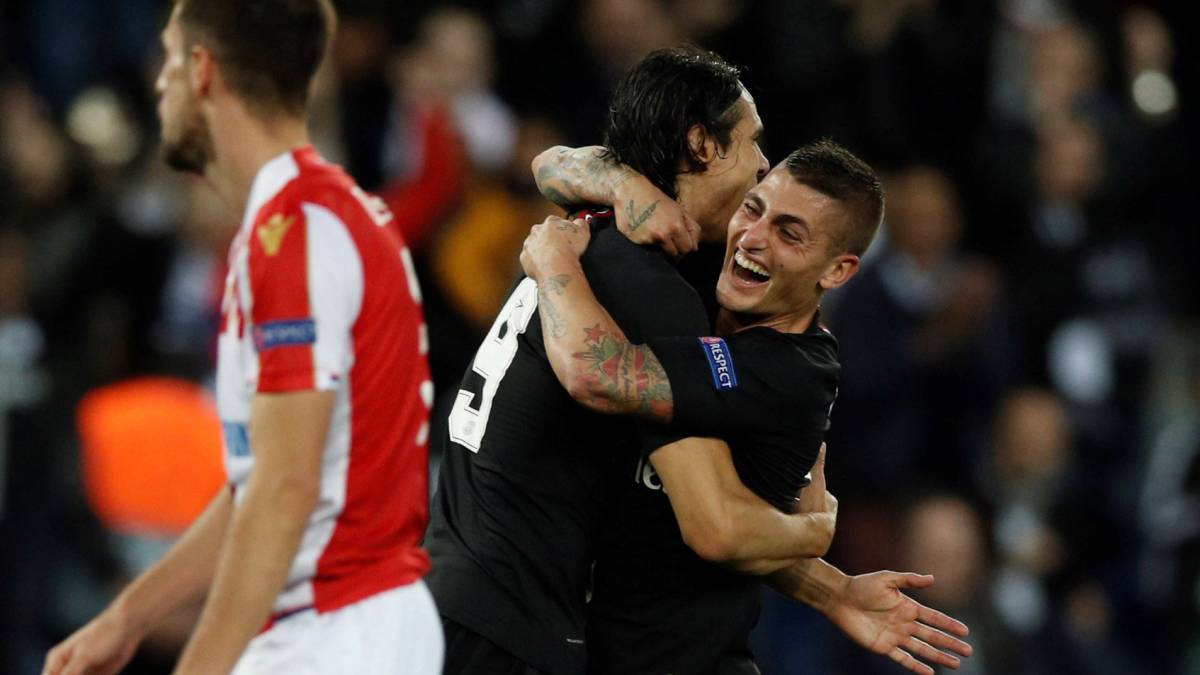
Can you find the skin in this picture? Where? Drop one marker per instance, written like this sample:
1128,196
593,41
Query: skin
238,555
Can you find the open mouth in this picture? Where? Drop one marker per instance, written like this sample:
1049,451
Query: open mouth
748,271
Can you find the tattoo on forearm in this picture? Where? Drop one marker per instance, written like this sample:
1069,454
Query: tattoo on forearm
552,286
631,376
636,219
580,175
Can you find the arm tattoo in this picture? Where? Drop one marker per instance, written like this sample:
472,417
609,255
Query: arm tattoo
553,286
636,220
630,376
581,175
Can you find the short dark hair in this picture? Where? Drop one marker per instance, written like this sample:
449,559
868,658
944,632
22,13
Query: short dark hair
833,170
268,49
659,99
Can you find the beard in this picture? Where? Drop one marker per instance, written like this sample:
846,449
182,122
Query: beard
193,150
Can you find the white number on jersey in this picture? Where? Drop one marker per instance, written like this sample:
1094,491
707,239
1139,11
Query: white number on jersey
495,355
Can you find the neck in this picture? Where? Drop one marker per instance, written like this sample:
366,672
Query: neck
242,144
695,201
793,322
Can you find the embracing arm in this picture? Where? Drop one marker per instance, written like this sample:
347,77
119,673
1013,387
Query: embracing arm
594,361
573,176
288,433
724,522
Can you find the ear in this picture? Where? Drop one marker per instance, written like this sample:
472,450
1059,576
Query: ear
701,145
202,71
842,269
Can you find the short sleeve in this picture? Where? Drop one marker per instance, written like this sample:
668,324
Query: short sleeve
306,284
647,298
718,385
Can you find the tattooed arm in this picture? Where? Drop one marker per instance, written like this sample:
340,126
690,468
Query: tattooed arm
573,176
589,352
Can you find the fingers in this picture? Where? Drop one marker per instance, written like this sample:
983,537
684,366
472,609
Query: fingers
54,661
942,641
907,661
693,230
932,617
910,580
927,653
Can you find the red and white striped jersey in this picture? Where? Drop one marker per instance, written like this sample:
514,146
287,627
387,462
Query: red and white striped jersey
321,294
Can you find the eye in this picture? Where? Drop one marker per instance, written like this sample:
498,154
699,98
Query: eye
791,234
750,207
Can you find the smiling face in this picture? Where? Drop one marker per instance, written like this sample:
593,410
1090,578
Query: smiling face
784,249
186,140
714,194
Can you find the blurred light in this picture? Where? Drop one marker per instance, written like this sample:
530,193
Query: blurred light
98,121
1154,93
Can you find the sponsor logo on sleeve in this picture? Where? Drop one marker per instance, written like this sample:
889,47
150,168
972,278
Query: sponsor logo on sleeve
272,232
720,362
285,333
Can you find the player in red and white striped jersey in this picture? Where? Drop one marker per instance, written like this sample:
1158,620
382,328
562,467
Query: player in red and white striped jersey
311,557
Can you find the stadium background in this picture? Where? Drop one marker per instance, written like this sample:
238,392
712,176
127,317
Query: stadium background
1020,404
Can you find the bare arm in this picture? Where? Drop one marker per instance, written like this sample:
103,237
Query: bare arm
572,176
724,522
288,433
589,352
179,579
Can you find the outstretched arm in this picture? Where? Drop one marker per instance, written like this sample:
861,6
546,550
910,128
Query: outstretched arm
872,610
594,361
573,176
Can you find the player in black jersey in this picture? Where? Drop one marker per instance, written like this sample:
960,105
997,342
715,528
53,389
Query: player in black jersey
528,474
766,386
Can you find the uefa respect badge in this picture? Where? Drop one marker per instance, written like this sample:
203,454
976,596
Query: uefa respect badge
720,362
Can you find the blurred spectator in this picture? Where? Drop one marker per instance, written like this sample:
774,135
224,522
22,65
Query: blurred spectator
447,122
925,350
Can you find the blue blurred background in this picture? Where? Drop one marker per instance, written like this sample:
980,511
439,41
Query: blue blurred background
1020,404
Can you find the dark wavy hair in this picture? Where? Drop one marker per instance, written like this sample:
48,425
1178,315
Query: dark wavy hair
659,99
269,49
833,170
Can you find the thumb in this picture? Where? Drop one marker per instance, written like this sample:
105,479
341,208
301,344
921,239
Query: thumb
911,580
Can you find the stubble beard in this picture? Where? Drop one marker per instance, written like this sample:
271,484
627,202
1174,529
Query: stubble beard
193,150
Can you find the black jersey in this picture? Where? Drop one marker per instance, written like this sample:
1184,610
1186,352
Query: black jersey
656,606
528,473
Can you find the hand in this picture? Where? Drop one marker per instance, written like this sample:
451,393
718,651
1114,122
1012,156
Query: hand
102,647
648,216
874,613
553,243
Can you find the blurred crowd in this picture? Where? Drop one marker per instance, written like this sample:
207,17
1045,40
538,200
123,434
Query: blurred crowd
1019,411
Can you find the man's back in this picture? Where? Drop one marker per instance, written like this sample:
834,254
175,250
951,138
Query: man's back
528,473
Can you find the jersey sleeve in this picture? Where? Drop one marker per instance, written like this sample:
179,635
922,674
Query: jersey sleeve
717,385
647,298
306,281
764,396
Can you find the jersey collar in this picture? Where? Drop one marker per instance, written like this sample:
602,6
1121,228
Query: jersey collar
270,180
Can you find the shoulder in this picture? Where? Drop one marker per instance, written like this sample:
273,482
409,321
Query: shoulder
787,359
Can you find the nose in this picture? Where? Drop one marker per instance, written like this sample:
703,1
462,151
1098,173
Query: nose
763,165
754,237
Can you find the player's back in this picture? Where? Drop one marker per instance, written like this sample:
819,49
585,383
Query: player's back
319,297
528,473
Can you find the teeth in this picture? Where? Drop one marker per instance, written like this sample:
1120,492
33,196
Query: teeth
749,264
